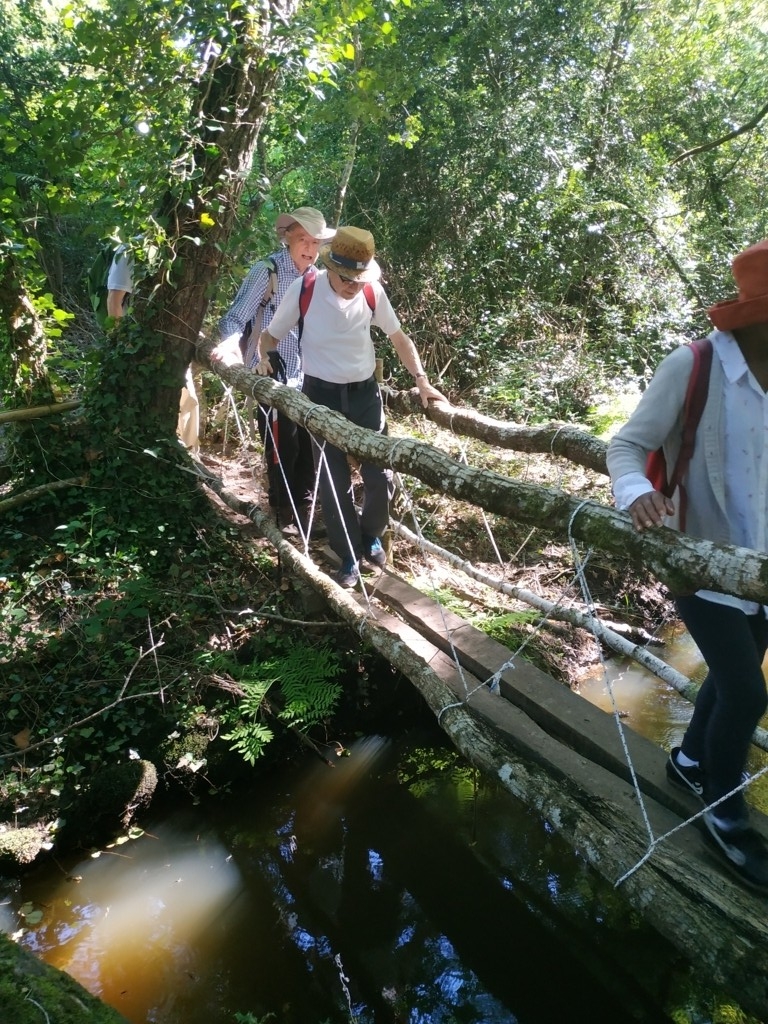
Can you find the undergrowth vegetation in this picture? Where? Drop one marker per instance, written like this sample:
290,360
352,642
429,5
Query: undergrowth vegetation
109,654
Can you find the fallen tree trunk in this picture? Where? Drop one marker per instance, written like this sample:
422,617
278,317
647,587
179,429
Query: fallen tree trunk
576,445
33,493
37,411
705,915
683,563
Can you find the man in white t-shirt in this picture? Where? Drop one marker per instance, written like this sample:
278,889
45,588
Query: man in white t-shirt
119,287
338,360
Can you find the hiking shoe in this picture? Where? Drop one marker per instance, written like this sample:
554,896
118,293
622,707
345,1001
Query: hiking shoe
373,552
348,575
691,779
743,851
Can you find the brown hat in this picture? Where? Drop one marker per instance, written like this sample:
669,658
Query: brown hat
310,219
750,271
350,255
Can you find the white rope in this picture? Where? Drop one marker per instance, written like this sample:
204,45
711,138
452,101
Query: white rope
411,508
323,464
230,398
592,617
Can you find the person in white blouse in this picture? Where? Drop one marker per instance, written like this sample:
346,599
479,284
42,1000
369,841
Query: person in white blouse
338,360
727,502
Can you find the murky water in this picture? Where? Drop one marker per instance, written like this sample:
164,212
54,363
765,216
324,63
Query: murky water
655,709
397,886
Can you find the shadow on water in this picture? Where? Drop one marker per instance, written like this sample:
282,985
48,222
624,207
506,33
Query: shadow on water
395,887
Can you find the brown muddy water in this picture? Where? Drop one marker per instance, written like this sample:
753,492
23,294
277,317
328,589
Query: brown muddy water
397,886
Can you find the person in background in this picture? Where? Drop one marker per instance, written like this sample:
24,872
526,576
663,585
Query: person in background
287,445
727,502
119,287
339,363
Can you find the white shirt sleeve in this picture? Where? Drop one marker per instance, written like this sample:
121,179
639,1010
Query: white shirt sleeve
384,316
287,313
628,488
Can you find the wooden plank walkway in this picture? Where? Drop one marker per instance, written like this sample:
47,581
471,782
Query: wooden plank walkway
558,743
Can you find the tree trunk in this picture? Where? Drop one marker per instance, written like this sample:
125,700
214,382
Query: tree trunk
576,445
136,399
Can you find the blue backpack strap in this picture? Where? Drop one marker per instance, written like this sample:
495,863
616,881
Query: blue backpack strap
305,295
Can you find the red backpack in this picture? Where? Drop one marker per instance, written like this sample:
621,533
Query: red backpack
695,400
308,287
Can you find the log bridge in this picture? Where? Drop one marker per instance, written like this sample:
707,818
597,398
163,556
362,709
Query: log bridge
563,756
546,745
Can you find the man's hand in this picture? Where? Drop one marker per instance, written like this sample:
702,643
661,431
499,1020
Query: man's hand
226,354
650,509
427,392
264,367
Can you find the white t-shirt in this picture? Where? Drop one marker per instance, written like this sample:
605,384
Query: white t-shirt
336,343
120,277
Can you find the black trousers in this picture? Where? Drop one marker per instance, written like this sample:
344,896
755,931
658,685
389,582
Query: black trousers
732,698
288,453
361,403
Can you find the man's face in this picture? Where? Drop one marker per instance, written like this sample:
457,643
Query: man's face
302,247
343,286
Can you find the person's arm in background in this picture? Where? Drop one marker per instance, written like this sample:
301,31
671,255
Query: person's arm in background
115,301
242,311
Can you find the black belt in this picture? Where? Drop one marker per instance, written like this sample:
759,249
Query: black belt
327,385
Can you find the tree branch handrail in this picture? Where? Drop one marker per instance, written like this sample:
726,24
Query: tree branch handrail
685,564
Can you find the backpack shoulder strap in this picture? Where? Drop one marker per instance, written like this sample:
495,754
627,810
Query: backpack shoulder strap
695,399
269,291
305,295
370,296
249,339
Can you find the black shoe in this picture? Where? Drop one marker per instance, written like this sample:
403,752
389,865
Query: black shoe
348,575
690,779
373,551
742,849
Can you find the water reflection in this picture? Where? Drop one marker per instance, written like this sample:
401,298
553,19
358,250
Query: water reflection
398,886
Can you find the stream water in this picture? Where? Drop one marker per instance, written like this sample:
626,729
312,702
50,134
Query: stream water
397,886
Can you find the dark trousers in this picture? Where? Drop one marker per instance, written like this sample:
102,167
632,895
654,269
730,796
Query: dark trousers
361,403
288,453
732,698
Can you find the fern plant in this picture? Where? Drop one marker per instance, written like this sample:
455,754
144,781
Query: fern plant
307,695
307,685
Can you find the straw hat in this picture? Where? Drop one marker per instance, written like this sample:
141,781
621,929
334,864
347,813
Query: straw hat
310,219
350,255
750,271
